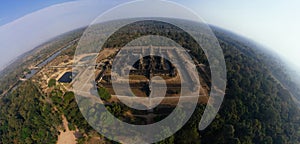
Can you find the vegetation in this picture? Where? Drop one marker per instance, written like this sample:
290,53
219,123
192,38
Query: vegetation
52,82
26,117
10,75
104,94
258,105
257,108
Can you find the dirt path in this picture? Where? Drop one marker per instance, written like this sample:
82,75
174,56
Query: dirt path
67,136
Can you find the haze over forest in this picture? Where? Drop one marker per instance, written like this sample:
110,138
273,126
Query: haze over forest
61,74
273,24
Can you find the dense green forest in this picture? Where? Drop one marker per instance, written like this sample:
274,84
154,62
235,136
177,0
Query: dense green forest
257,108
27,117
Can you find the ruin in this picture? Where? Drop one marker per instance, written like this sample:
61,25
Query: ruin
145,68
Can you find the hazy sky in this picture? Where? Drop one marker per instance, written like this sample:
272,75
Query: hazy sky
272,23
14,9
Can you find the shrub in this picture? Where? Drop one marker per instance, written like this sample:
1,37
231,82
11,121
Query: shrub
51,83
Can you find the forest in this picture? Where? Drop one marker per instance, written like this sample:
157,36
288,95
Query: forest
257,108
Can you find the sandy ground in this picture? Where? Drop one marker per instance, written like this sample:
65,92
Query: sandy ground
67,137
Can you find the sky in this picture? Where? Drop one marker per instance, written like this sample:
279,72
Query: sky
274,24
14,9
271,23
